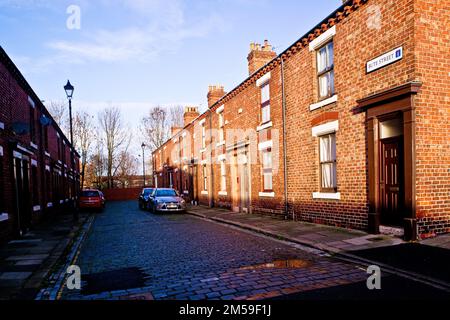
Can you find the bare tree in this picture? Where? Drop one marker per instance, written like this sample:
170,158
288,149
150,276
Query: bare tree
59,112
156,127
116,137
127,168
177,116
84,135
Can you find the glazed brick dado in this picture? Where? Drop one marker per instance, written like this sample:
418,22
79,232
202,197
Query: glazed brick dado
37,176
314,134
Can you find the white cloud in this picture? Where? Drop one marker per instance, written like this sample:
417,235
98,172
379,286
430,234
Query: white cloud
165,30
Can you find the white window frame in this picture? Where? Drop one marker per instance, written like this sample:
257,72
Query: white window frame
205,177
223,176
318,131
266,169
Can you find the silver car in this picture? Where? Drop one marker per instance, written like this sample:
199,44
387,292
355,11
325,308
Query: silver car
167,200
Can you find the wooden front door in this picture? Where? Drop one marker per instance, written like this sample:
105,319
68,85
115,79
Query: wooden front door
244,182
22,195
392,182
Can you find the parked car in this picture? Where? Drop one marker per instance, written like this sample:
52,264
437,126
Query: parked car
92,199
144,198
167,200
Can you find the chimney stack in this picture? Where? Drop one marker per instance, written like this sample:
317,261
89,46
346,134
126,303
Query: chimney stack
259,56
175,130
214,94
190,114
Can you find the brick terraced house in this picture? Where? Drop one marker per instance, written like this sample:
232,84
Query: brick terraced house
350,126
39,169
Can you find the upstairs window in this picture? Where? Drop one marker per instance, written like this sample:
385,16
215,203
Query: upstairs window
325,71
58,142
328,163
203,136
46,138
32,125
221,127
265,103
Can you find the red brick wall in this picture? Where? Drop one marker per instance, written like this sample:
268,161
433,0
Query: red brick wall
355,43
364,31
122,194
15,107
432,45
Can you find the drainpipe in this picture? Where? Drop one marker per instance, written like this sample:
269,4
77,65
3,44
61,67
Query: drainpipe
211,201
283,93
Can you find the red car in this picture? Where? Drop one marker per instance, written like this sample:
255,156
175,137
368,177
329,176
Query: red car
92,199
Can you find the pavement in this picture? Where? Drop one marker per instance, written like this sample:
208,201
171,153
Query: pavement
427,261
330,239
25,263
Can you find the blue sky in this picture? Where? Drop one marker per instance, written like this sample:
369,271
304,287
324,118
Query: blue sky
137,53
147,51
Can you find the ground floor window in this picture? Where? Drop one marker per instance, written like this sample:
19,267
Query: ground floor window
223,176
35,185
267,170
328,163
205,178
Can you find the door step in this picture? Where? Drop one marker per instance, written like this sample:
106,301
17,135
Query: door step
392,231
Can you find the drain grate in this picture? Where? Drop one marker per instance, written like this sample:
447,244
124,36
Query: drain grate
121,279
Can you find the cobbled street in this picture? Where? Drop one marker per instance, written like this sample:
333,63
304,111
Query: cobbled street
129,251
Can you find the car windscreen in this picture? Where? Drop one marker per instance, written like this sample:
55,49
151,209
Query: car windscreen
166,193
148,192
90,194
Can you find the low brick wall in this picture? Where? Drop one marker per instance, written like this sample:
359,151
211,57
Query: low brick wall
122,194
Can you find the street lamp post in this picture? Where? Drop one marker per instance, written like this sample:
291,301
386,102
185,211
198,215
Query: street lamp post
143,160
68,88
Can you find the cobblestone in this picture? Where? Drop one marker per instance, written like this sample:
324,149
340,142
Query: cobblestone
183,257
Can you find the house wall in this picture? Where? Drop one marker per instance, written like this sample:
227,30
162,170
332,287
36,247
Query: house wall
364,30
46,196
432,103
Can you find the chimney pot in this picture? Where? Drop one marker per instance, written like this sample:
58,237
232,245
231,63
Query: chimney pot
215,93
190,114
260,56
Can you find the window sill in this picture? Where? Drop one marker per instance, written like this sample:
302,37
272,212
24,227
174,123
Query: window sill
223,193
2,126
327,196
264,126
36,208
267,194
323,103
220,144
4,217
185,192
205,193
203,150
34,146
1,151
47,154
